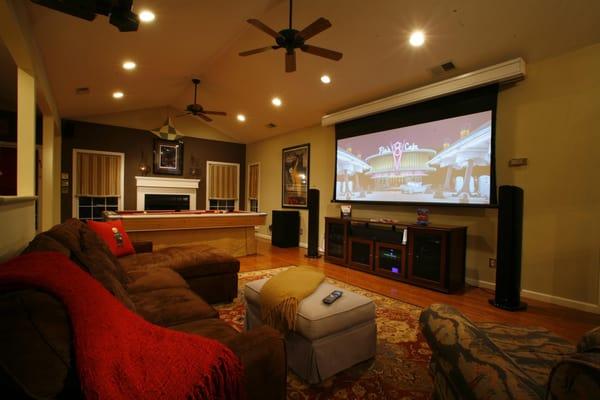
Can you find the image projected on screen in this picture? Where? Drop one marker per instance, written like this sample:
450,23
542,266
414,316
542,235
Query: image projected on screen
444,161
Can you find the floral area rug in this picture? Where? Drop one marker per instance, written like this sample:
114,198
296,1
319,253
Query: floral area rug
399,370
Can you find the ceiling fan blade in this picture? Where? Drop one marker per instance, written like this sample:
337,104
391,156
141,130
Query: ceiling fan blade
264,28
214,112
204,117
183,115
290,61
321,52
256,51
316,27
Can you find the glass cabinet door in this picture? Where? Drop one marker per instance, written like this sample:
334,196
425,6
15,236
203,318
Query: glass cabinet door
389,259
335,241
427,258
361,253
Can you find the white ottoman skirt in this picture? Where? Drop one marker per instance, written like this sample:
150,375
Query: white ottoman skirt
328,338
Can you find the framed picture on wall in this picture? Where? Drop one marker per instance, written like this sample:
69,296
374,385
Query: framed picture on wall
295,176
168,157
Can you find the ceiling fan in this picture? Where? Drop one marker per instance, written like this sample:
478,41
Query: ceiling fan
291,39
196,109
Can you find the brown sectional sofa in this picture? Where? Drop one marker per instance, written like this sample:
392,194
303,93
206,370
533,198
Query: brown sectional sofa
164,287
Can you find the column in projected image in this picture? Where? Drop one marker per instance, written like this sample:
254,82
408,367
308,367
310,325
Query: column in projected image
471,154
350,167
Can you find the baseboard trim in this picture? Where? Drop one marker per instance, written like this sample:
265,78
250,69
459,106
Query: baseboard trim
304,245
546,298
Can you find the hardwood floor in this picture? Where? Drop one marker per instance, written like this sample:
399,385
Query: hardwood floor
566,322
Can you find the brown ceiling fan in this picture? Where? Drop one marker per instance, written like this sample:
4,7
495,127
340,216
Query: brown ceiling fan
291,39
196,109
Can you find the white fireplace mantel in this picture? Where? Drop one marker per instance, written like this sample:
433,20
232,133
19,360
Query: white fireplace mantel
157,185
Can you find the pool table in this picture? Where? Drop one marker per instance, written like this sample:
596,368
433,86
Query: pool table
231,231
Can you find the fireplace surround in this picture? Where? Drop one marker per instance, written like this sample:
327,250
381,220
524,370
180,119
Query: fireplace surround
176,187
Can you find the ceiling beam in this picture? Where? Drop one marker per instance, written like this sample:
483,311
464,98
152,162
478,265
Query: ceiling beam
16,32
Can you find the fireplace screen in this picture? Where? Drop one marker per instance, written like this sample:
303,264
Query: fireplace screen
167,202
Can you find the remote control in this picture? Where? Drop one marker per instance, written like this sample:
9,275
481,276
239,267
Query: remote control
333,296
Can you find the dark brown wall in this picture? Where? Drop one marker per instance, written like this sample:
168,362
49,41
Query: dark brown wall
132,142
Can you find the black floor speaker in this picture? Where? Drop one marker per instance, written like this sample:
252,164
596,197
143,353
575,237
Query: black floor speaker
508,258
313,224
285,230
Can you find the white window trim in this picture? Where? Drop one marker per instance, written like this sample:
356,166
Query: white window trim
248,185
237,175
75,199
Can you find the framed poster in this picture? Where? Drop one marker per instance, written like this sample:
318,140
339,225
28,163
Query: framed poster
168,157
295,176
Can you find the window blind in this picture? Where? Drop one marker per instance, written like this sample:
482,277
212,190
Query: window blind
98,174
223,181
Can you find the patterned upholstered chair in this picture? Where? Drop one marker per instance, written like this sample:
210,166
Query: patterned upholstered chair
495,361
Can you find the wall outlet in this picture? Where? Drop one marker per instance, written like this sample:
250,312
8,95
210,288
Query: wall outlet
492,263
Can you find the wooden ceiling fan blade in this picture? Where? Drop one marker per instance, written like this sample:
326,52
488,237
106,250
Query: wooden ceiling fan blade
183,115
271,32
316,27
290,61
204,117
214,112
321,52
256,51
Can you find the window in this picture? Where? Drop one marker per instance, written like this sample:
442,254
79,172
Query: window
222,185
97,183
253,186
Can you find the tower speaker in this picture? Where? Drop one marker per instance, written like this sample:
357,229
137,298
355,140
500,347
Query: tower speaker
313,224
510,235
285,231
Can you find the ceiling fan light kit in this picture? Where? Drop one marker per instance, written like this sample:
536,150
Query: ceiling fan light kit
291,39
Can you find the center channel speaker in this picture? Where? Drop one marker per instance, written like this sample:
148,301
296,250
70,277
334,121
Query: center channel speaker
509,247
313,224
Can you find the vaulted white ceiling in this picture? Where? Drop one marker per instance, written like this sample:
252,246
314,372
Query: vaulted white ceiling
192,38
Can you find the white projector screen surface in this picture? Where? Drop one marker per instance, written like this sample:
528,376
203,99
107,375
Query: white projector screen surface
446,161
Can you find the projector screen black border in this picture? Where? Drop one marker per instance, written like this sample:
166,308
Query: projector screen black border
455,105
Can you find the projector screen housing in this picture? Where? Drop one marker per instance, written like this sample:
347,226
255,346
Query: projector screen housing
439,152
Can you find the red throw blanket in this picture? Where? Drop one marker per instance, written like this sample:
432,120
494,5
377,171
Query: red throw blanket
120,355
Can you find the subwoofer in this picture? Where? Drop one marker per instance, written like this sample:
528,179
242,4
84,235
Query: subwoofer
313,224
509,247
285,231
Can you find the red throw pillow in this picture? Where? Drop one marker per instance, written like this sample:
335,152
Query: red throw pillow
114,236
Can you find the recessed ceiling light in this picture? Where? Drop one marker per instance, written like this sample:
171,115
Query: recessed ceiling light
241,117
276,102
417,38
326,79
146,16
129,65
118,95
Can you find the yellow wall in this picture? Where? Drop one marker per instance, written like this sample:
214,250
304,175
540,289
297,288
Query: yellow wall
553,119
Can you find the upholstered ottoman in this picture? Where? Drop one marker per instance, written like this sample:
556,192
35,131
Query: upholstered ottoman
328,338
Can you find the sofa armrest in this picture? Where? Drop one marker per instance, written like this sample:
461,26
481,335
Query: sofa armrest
262,351
575,377
467,364
142,246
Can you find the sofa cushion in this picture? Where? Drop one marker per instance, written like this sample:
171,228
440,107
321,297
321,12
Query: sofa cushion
154,279
115,287
35,345
174,306
114,235
187,261
535,350
590,341
98,256
43,242
211,328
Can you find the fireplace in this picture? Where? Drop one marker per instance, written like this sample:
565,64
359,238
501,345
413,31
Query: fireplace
166,193
167,202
